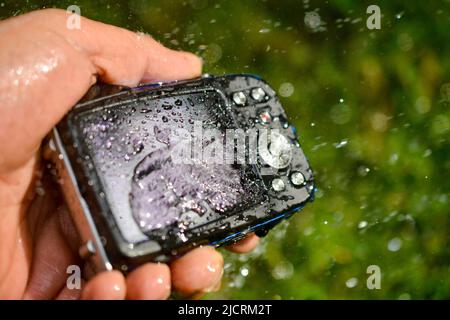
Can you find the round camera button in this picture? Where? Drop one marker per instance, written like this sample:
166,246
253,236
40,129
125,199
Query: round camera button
278,185
258,94
298,179
239,98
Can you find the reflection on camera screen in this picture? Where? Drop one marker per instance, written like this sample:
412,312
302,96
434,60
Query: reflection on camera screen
150,193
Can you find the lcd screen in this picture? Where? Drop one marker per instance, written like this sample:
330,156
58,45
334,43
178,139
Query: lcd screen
151,192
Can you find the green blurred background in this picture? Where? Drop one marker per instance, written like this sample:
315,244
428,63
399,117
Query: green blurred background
373,112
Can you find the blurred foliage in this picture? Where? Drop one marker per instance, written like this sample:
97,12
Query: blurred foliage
373,112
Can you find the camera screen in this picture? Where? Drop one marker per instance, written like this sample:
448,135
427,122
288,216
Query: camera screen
162,165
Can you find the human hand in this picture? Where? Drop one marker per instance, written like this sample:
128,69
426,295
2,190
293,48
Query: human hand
45,69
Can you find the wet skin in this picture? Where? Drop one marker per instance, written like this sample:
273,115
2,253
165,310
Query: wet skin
45,69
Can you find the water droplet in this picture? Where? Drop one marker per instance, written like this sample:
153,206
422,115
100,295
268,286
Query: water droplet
341,144
362,224
399,15
351,283
395,244
138,146
286,89
313,21
283,270
244,271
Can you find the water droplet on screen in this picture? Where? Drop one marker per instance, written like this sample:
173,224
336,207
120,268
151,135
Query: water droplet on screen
138,146
340,113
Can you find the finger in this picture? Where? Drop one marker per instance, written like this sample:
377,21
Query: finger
150,281
107,285
46,68
124,57
245,245
51,253
200,270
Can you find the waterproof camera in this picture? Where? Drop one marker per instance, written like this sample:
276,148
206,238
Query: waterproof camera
151,172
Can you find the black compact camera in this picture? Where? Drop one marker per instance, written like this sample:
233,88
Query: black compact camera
153,171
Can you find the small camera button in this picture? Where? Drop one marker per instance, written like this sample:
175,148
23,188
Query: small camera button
298,179
278,185
239,98
258,94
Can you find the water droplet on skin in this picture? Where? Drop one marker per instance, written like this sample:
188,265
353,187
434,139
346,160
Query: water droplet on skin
138,146
40,191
